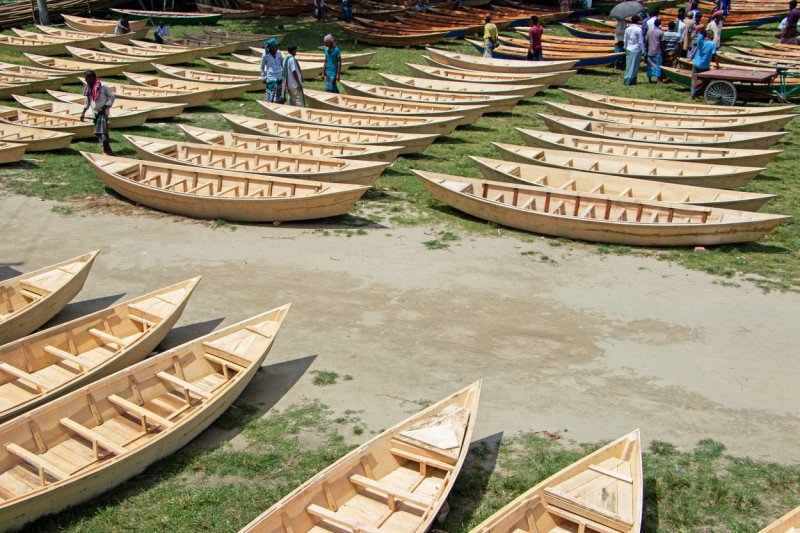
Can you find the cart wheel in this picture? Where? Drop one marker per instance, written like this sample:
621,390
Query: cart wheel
720,92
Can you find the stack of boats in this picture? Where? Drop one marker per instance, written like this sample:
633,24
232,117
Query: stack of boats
628,171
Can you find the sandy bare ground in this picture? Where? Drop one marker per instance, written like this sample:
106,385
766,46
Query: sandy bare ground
594,345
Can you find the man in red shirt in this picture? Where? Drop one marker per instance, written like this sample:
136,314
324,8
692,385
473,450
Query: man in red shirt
535,38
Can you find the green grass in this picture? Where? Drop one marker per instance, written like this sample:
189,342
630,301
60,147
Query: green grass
324,378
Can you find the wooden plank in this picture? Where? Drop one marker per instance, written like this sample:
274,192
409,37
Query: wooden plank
390,491
184,384
21,374
92,436
66,356
611,473
107,337
591,512
329,516
422,459
139,411
577,519
37,461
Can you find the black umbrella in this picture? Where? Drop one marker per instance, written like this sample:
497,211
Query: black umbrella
624,10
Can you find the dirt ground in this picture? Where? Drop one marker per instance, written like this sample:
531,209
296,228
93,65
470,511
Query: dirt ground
591,346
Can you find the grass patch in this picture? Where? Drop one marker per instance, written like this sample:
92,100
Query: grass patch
63,209
324,378
236,416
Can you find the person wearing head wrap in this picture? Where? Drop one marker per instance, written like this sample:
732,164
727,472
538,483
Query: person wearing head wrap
333,64
272,71
100,98
716,26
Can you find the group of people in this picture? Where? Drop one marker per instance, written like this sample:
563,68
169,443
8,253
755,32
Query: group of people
284,77
124,26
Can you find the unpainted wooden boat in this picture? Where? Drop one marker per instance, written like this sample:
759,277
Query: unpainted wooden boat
25,70
471,62
42,43
397,480
120,118
661,107
77,35
643,150
230,14
173,18
92,439
583,59
99,25
46,365
358,60
594,217
155,110
395,39
788,523
210,48
69,66
155,94
219,91
48,121
326,169
492,103
762,63
290,146
458,87
757,123
215,194
30,83
252,83
378,122
243,41
34,139
408,142
365,104
629,132
29,300
603,492
310,70
129,63
165,58
485,78
619,186
311,65
685,173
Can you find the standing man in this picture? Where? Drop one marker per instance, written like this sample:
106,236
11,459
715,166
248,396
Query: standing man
100,98
489,36
680,27
347,11
333,64
671,45
655,41
319,9
716,26
272,71
123,25
634,45
789,33
619,42
160,32
690,39
294,78
535,39
706,51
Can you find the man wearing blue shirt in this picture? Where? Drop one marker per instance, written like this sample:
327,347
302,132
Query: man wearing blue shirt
706,51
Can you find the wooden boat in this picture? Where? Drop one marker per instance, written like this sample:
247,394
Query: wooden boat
201,51
209,48
583,31
168,58
154,94
220,91
661,107
155,110
53,362
358,60
289,146
473,76
408,25
310,70
78,35
471,62
218,39
697,174
398,479
31,299
128,63
99,25
707,138
256,162
395,39
214,194
34,139
67,66
596,217
409,142
311,65
42,44
378,122
615,185
243,37
30,83
251,83
7,90
762,63
603,492
370,105
758,123
788,523
456,87
96,437
583,59
172,18
493,103
230,14
120,118
643,150
769,53
48,121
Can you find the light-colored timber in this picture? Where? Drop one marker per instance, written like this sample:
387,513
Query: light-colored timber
597,217
155,94
34,139
42,43
257,162
99,25
629,132
474,76
119,118
122,38
637,150
614,185
215,194
175,18
278,145
96,437
378,122
311,65
458,87
409,142
165,58
131,63
31,299
252,83
310,70
372,105
30,83
243,41
493,103
69,66
685,173
220,92
48,121
473,62
758,123
25,70
602,493
155,110
11,153
788,523
661,107
358,60
396,481
46,365
209,47
397,39
201,51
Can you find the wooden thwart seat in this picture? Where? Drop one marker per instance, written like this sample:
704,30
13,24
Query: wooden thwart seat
65,356
107,337
582,522
25,376
142,412
422,460
391,492
38,461
191,387
92,436
329,516
590,512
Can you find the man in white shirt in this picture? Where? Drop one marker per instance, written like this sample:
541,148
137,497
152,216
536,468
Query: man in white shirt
716,26
272,71
294,78
634,46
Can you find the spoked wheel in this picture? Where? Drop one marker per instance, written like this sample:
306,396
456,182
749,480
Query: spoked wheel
720,92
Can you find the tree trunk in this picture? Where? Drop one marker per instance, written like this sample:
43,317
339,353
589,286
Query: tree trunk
44,16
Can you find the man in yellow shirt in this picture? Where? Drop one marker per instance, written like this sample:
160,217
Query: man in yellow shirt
489,36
